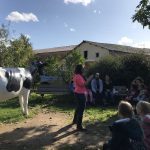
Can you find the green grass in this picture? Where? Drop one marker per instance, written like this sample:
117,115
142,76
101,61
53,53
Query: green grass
100,114
10,110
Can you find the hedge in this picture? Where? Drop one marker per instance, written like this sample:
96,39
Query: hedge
123,69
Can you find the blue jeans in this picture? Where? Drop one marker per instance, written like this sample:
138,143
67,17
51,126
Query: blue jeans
78,115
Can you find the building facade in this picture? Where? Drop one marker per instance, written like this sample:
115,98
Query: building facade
92,51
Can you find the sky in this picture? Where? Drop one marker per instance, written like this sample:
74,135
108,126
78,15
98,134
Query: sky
56,23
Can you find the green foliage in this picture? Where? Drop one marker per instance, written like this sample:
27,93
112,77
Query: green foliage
106,65
3,34
63,68
16,52
4,42
21,51
100,114
52,65
123,69
142,14
66,70
133,66
10,111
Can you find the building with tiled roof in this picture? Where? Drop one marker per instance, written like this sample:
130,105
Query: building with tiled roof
92,51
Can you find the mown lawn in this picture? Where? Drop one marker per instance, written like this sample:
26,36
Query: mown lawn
10,111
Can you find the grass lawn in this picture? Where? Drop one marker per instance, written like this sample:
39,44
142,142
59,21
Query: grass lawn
10,110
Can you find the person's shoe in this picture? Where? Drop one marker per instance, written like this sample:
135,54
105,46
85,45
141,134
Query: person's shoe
81,129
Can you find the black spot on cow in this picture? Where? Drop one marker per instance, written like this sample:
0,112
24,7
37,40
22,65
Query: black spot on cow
14,79
28,81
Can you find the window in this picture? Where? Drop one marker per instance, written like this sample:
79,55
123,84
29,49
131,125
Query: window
85,54
97,55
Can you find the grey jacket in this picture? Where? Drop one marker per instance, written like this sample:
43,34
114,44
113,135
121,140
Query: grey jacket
94,86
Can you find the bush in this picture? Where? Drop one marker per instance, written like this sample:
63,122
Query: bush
122,69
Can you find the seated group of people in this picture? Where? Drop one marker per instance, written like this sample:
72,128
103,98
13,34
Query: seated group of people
99,91
130,133
138,91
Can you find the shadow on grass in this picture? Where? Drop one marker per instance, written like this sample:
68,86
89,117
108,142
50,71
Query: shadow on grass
67,138
62,101
58,102
10,110
13,103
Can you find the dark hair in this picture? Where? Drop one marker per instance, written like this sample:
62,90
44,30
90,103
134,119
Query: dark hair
125,109
134,86
143,107
78,69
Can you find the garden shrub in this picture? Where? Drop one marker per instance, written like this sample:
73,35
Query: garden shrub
123,69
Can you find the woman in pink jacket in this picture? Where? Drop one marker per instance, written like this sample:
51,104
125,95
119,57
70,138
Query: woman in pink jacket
80,90
143,109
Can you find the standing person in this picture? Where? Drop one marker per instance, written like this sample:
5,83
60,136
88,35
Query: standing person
97,88
108,90
80,90
143,109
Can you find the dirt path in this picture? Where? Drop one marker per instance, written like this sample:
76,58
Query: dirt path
50,131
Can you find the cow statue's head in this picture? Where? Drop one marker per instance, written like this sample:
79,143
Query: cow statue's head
37,67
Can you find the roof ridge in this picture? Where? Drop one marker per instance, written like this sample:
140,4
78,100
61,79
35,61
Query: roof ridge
115,44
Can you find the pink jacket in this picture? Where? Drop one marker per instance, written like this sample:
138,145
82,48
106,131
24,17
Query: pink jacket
79,83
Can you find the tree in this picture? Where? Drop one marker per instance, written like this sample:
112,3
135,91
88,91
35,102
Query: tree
21,51
123,69
4,43
52,64
16,52
142,14
67,67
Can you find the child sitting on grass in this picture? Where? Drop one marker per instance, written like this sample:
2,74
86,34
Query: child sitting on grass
143,109
125,131
89,96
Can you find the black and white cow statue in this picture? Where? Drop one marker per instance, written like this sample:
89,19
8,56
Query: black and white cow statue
16,82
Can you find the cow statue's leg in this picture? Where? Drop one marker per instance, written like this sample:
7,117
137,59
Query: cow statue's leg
25,95
21,100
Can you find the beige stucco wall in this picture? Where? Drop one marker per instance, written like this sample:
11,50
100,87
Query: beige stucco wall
92,50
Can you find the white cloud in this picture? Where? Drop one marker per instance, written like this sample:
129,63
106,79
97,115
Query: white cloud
72,30
125,41
130,42
83,2
15,16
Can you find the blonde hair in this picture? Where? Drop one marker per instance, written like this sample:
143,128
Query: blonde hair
125,109
143,107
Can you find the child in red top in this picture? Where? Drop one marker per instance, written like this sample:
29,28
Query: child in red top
143,109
